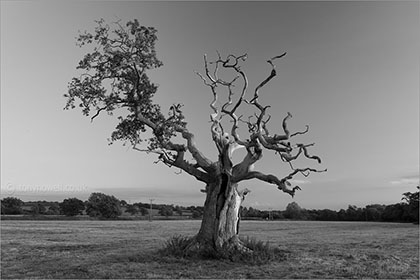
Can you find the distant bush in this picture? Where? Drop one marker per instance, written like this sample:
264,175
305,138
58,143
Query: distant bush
196,214
166,211
72,207
38,209
54,209
144,211
132,209
103,206
294,211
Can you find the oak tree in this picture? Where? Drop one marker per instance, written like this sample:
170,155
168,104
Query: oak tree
114,76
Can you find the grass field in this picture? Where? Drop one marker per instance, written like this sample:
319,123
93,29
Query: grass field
128,249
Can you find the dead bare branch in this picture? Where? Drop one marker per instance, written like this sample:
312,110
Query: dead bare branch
282,184
287,157
300,132
231,62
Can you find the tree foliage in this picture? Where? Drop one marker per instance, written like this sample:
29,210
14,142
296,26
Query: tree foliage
103,206
54,209
115,75
132,209
11,206
166,210
144,211
72,206
293,211
412,199
38,209
399,212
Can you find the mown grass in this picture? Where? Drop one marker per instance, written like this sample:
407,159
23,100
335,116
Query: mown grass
130,249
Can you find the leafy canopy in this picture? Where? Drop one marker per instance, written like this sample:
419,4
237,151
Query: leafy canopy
72,206
114,75
102,205
11,205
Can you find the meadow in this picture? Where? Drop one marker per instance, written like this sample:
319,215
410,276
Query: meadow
129,249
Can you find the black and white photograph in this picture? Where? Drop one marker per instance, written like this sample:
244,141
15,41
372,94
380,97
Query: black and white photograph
210,139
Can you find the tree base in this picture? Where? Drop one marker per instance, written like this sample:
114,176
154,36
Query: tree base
207,250
248,251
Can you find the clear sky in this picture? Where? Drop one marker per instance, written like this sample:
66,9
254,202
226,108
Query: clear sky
351,73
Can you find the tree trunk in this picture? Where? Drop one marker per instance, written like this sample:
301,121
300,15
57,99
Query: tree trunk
220,224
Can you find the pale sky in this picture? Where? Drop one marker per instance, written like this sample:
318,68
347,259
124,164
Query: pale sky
351,73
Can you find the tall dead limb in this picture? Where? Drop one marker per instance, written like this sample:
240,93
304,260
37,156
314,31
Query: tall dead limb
259,137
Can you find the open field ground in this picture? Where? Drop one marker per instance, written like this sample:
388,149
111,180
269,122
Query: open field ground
128,249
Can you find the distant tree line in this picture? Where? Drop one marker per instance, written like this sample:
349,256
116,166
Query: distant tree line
104,206
406,211
399,212
98,205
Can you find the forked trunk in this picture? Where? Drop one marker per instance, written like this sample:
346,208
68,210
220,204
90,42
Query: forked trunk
220,224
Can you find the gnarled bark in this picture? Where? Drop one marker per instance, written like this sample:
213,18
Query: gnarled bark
220,224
